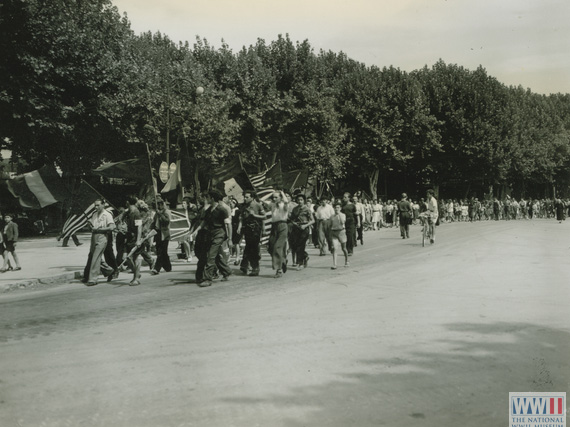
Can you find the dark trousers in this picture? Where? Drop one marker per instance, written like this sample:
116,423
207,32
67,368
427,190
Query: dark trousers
120,244
359,230
162,258
75,240
252,252
298,241
109,255
201,252
350,236
215,255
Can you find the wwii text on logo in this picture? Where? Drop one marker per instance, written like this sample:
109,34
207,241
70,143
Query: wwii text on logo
537,409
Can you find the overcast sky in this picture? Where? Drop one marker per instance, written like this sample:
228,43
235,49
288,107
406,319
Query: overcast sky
520,42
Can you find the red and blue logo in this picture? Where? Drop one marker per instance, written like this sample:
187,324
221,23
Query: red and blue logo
537,409
525,405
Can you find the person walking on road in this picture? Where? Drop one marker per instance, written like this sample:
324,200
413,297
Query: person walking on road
162,226
101,223
277,244
338,235
324,213
405,214
351,224
434,213
219,230
9,240
302,218
133,239
251,225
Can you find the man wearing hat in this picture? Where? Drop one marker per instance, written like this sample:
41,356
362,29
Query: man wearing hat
405,215
161,224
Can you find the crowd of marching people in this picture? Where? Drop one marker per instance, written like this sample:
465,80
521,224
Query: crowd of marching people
219,229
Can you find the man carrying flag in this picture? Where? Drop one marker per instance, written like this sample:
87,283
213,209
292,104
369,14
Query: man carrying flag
101,224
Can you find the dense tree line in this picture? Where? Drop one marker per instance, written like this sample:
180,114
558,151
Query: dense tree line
78,87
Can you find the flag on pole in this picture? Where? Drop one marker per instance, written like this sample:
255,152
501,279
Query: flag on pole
179,224
295,180
39,188
266,182
82,209
173,181
227,171
137,169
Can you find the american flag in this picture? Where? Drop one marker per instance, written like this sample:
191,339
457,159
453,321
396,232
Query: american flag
265,183
83,209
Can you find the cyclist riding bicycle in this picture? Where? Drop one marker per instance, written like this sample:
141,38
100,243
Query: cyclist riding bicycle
433,213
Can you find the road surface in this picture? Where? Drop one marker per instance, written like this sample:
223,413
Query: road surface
407,336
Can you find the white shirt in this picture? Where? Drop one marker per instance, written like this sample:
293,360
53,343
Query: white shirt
101,220
325,212
432,206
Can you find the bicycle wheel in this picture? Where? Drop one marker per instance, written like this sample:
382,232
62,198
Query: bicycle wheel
424,235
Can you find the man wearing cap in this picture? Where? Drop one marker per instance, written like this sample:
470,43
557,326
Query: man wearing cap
251,224
161,224
405,215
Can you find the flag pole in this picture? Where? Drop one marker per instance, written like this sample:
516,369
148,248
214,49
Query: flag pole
100,195
151,180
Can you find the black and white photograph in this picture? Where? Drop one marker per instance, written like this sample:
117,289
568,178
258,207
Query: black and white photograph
284,214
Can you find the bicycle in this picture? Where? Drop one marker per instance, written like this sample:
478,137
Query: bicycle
426,229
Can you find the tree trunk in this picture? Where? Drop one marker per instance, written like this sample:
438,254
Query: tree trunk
196,182
373,183
467,191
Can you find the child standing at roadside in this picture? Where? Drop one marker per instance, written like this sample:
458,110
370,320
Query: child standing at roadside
10,237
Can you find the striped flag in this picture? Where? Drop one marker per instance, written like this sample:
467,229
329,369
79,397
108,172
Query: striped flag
179,224
39,188
83,208
265,183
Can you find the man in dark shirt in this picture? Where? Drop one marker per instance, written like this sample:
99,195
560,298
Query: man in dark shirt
133,238
301,218
251,224
349,210
161,224
218,231
405,213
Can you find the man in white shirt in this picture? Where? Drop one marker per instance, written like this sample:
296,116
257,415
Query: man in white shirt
360,219
434,213
324,213
101,223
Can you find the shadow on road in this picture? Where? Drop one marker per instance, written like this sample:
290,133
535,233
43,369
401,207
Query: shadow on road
467,383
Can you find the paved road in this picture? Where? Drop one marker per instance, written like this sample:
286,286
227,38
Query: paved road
407,336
